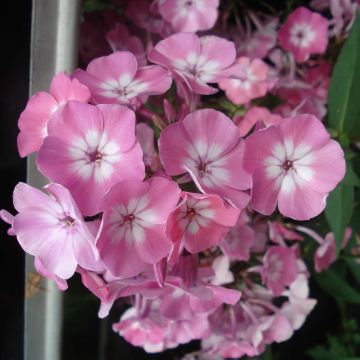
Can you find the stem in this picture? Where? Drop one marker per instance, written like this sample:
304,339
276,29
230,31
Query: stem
252,316
265,304
311,233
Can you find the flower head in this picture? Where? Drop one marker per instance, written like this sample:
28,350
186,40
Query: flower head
189,15
117,79
304,34
42,106
134,230
51,228
295,165
247,81
207,145
90,148
193,61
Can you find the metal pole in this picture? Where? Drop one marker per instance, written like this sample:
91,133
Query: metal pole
54,36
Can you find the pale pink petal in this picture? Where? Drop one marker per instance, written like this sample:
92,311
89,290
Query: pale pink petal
302,202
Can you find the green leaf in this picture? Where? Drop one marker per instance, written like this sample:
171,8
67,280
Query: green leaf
343,98
339,210
320,353
354,267
336,286
351,177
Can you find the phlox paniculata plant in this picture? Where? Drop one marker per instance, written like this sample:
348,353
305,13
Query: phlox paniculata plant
175,183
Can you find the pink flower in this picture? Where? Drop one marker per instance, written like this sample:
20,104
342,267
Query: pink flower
256,118
116,79
120,39
184,302
90,148
279,268
135,215
207,145
278,233
237,243
257,44
145,14
9,219
200,221
325,254
189,15
195,61
295,165
52,229
221,267
145,137
247,81
60,283
41,107
304,34
145,331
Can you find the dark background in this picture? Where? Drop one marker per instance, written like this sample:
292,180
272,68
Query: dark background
14,77
85,336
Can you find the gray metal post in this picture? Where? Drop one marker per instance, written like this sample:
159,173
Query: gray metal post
54,36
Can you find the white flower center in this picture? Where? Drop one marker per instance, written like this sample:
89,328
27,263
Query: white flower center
302,35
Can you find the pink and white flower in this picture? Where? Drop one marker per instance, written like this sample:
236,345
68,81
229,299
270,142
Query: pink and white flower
146,331
237,243
117,79
51,228
42,106
326,253
247,81
207,145
135,215
189,15
194,62
294,165
200,221
89,149
279,268
304,33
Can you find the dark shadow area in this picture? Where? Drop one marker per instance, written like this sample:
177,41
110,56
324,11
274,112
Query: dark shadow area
14,74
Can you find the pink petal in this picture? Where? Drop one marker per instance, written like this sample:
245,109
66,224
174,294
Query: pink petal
63,89
156,79
301,203
113,66
33,122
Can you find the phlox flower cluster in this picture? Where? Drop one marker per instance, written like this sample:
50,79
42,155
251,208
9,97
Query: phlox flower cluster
174,183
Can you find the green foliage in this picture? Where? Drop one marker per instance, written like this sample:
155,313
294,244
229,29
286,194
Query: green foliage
343,100
333,282
96,5
342,346
339,210
351,178
344,116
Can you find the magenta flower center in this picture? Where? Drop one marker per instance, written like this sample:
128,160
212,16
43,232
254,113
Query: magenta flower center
69,221
287,165
128,219
95,157
190,213
202,168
